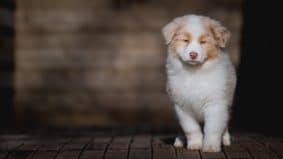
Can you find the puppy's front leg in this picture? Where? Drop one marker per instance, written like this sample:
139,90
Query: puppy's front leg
216,118
191,129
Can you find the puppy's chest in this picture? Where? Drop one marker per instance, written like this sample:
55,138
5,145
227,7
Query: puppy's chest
192,90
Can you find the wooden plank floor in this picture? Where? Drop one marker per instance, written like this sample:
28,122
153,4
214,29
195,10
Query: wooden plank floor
127,144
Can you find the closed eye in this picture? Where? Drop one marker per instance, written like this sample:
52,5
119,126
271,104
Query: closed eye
203,42
185,40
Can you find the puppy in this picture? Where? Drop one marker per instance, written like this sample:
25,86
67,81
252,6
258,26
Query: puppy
200,80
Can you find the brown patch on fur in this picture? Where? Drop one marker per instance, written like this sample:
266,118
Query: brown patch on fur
170,30
220,34
181,39
216,36
204,38
181,36
208,44
211,51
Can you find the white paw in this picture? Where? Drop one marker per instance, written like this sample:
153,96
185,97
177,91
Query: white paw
226,141
211,148
178,142
194,145
211,145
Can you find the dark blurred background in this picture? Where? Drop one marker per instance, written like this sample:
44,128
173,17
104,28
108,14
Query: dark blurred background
101,62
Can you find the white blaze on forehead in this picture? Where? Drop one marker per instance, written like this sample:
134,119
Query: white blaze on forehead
194,26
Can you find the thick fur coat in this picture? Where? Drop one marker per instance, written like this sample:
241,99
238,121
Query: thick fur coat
200,80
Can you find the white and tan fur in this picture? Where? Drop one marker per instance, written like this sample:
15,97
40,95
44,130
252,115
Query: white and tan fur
201,87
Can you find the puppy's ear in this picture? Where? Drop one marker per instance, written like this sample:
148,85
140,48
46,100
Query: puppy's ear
169,30
220,34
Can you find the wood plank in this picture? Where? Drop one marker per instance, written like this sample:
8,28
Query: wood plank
161,150
263,155
68,155
30,145
214,155
99,143
53,144
19,154
96,148
127,147
9,145
50,147
44,155
11,149
242,138
238,155
163,153
276,146
119,148
236,151
92,154
259,151
183,153
116,154
140,147
120,143
158,142
140,154
77,144
141,142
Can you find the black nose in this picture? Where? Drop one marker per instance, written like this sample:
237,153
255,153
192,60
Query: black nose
193,55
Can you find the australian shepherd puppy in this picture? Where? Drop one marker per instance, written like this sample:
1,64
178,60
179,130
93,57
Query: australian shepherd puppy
201,80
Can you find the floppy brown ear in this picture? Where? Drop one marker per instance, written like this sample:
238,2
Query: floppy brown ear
220,33
169,30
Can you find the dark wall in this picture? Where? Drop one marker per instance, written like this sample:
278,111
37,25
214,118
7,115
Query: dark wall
258,98
6,61
259,95
91,68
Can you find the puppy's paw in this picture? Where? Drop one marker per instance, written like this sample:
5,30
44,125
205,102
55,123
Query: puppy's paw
211,148
194,145
178,142
226,141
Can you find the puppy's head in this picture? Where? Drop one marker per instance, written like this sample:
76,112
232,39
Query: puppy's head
195,39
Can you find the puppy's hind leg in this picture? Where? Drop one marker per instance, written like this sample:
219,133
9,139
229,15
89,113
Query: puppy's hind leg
179,141
191,129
